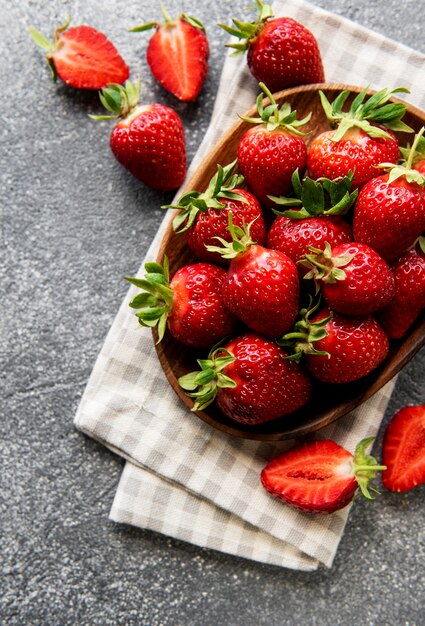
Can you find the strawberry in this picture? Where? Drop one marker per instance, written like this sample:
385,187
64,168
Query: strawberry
190,305
204,216
82,57
404,449
409,299
178,54
149,139
282,53
321,476
261,287
352,277
270,152
362,138
390,210
315,218
337,348
251,380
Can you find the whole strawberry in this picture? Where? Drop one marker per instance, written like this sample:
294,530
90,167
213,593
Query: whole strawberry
205,216
390,210
321,476
409,299
149,139
251,380
282,52
403,449
362,138
82,57
270,152
261,287
313,217
352,277
178,54
338,349
190,305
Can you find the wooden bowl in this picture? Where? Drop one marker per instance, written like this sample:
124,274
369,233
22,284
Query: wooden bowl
328,402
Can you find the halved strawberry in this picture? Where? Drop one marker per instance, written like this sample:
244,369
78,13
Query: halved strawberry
82,57
404,449
178,54
320,476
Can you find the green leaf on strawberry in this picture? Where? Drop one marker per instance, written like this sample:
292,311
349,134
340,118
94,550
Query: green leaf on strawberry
273,116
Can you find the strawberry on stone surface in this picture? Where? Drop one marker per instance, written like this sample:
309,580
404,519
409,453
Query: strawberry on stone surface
82,57
261,287
177,54
190,305
203,216
352,277
389,214
362,138
321,476
409,298
282,52
250,379
404,450
337,348
149,140
270,152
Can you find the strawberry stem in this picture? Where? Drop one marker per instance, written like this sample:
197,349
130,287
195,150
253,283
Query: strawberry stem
241,240
412,152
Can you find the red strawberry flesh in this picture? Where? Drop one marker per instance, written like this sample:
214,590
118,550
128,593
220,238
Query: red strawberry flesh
404,450
316,476
86,59
177,55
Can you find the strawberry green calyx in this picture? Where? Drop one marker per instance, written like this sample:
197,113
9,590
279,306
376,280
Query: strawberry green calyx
168,22
50,46
365,467
418,154
325,268
273,116
241,240
121,100
404,169
301,339
247,31
204,384
318,197
220,186
365,114
156,300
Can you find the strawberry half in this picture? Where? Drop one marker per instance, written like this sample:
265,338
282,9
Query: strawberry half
203,216
362,138
404,450
178,54
82,57
251,379
282,52
149,139
190,305
321,476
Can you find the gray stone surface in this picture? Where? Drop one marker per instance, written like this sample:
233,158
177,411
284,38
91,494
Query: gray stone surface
73,223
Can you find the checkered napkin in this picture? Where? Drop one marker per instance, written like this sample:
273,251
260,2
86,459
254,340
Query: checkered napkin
183,478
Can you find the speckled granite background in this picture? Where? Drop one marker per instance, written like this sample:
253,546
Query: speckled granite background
73,223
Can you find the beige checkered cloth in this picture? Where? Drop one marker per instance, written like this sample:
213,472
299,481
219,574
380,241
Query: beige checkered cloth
183,478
